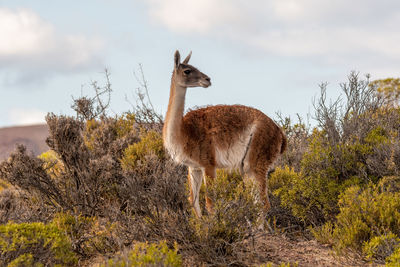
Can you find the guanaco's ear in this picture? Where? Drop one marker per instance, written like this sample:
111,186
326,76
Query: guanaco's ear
186,61
177,59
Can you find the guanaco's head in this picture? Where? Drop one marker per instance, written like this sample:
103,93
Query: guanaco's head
188,76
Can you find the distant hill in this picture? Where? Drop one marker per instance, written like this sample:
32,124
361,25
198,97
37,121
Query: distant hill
33,137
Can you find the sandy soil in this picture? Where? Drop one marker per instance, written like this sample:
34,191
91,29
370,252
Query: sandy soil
280,249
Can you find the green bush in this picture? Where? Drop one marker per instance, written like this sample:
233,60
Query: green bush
52,163
394,259
150,143
368,221
144,254
380,247
312,198
23,260
221,235
33,243
356,142
89,236
366,213
327,169
324,233
102,132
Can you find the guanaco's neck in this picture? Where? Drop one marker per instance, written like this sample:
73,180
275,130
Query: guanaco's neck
173,118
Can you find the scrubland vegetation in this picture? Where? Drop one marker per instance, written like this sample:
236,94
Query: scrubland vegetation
107,194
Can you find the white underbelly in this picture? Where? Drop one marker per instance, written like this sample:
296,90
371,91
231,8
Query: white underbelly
235,155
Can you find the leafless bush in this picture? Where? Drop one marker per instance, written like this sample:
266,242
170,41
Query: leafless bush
345,117
26,172
88,108
357,118
18,206
144,111
90,172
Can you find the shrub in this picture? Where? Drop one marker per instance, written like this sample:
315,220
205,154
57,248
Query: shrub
35,243
312,198
23,260
380,247
324,233
221,236
394,259
145,254
27,172
82,171
280,265
89,235
369,220
356,142
297,135
52,163
150,143
328,168
365,214
109,135
19,206
107,183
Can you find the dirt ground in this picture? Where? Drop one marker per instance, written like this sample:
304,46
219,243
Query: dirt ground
280,249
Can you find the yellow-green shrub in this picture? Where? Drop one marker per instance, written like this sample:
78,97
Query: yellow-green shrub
236,212
151,143
52,163
145,254
25,260
365,213
380,247
394,259
110,128
87,234
324,233
282,177
327,169
312,198
369,220
3,184
35,243
124,124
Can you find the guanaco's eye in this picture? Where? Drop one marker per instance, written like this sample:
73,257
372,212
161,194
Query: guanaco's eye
187,71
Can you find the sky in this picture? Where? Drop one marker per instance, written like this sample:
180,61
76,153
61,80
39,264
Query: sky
271,55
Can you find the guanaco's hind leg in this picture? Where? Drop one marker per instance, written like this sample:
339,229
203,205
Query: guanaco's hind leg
195,178
264,149
261,179
209,176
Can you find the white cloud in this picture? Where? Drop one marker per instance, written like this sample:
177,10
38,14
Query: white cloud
193,15
26,116
31,44
329,32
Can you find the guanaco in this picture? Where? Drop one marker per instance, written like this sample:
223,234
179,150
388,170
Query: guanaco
221,136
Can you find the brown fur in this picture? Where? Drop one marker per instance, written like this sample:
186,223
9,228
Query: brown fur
196,138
